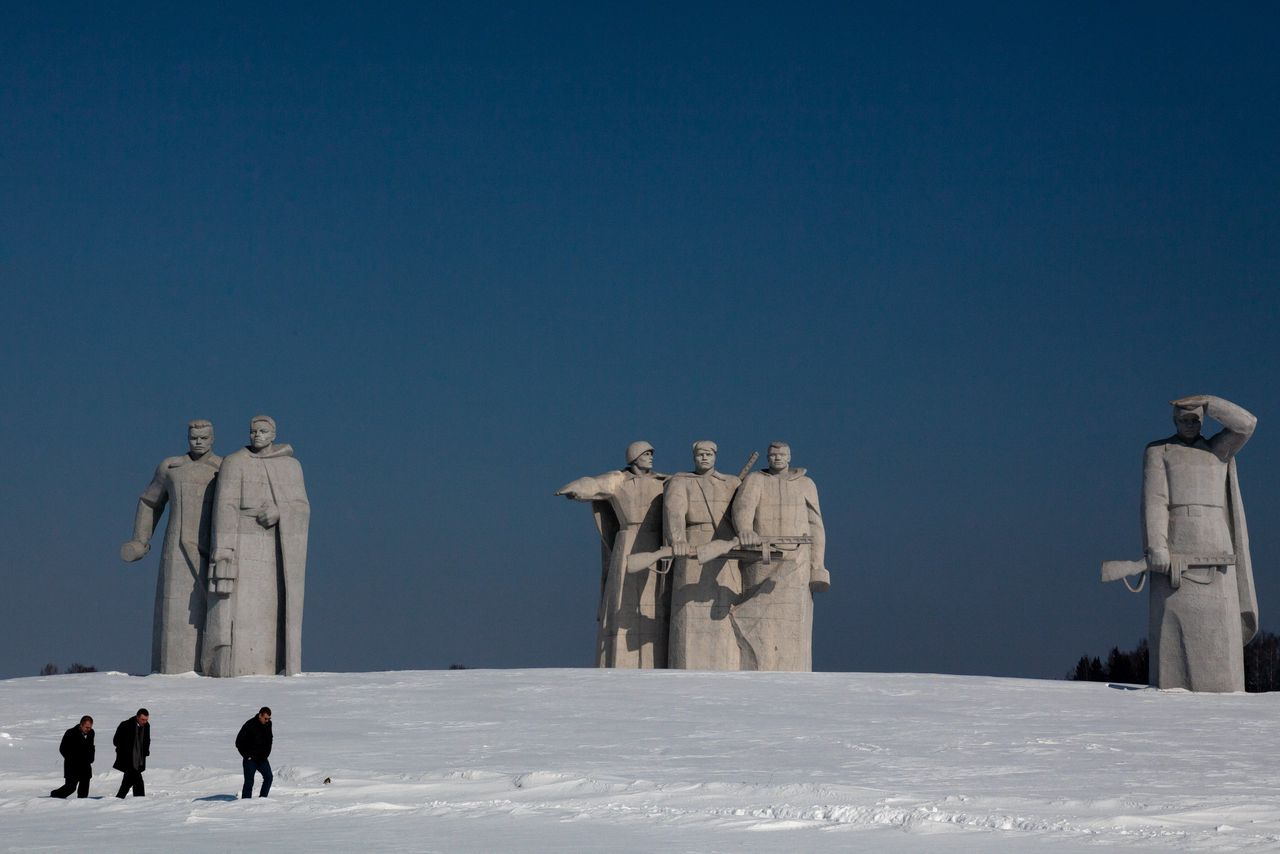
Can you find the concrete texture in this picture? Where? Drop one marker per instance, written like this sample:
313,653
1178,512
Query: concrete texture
695,512
260,522
1198,623
774,617
633,612
183,484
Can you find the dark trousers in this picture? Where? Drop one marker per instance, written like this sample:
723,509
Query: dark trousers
263,767
79,785
132,780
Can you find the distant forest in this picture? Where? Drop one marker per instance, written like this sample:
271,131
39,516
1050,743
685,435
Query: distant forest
1261,665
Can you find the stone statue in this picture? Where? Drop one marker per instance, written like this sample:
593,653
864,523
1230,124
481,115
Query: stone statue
774,618
183,484
260,520
1203,606
627,505
695,512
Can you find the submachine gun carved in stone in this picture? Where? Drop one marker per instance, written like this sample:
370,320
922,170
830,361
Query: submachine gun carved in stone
1116,570
766,552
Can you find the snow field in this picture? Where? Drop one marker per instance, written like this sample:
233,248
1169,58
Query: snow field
592,760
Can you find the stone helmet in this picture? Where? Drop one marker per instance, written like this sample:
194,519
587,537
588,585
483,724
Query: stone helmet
635,449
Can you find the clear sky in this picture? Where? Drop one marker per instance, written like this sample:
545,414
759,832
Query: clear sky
960,258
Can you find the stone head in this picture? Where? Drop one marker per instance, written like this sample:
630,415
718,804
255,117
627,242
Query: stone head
262,432
640,456
704,456
1188,420
779,457
199,438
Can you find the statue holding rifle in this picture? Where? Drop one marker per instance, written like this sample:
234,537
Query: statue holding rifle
1203,607
778,507
695,509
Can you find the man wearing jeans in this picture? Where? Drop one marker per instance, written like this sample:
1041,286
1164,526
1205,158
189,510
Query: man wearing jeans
254,744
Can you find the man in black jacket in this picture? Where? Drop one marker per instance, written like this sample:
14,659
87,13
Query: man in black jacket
77,758
254,744
133,745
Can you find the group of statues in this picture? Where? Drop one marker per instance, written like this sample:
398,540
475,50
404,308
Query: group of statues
1203,607
706,570
233,563
700,570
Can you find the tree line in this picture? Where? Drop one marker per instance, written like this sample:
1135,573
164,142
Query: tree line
51,669
1261,665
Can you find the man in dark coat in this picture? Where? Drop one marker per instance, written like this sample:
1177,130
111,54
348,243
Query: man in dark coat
77,758
254,744
133,745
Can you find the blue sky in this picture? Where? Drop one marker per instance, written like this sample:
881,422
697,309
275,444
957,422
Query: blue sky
959,258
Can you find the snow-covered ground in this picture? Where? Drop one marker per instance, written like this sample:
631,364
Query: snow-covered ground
626,761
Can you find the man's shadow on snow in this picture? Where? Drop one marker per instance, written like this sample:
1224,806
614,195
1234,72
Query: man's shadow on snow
217,798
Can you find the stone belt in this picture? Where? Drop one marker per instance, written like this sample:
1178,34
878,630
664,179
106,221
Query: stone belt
1193,510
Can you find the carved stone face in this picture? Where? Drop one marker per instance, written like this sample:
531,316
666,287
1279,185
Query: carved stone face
200,440
1188,422
779,458
261,435
644,462
704,460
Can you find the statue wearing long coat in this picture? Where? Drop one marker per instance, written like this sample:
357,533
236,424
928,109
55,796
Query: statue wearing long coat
695,510
256,628
1191,505
774,618
633,605
185,486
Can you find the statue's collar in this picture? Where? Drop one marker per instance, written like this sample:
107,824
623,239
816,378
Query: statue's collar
789,474
209,459
275,452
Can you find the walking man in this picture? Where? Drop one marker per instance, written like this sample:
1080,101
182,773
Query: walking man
133,745
254,744
77,758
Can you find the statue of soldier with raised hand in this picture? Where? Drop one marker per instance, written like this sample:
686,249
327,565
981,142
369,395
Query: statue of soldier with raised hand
1201,616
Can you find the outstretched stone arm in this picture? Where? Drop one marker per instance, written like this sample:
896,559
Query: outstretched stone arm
599,488
145,519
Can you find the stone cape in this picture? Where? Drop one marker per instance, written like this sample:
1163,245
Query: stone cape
257,628
774,616
1196,632
183,485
